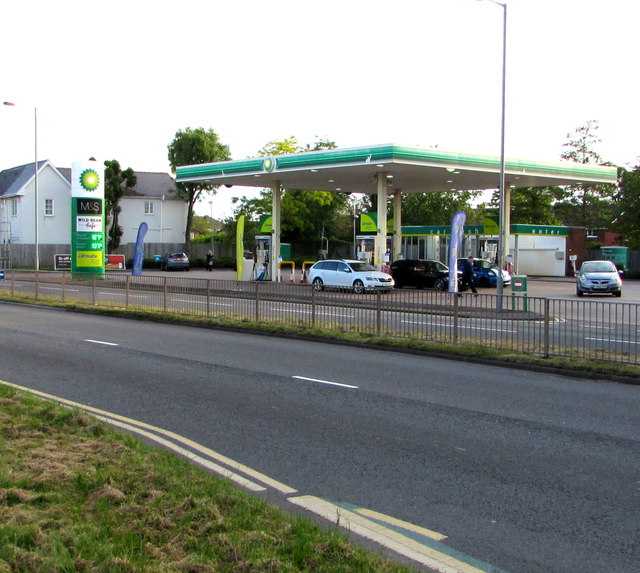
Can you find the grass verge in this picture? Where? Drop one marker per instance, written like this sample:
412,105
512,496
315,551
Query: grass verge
76,495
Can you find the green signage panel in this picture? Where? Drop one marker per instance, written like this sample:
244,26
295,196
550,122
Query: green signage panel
87,220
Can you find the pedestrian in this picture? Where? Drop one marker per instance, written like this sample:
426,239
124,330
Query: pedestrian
209,261
467,276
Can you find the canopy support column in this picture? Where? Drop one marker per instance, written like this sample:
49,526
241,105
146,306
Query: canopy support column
381,236
397,225
275,229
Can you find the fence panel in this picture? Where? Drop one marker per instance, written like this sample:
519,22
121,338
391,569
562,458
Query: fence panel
591,329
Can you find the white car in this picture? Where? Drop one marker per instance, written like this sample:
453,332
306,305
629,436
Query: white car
352,275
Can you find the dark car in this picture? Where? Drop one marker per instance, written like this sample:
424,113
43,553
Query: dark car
485,273
421,273
175,261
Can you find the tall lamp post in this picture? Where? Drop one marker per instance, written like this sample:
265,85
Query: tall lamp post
504,223
35,183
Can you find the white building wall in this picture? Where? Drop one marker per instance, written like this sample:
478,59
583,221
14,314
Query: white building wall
166,222
539,255
52,229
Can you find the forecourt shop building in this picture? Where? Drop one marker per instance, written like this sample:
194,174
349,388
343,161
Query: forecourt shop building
387,170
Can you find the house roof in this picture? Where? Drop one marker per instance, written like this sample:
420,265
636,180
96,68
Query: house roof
152,185
13,180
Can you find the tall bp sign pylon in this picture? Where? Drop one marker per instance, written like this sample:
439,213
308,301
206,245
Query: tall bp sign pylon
87,220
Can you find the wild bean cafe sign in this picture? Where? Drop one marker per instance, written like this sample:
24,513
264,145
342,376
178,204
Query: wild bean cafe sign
87,220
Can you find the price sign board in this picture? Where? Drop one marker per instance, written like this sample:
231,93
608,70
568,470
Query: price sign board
87,220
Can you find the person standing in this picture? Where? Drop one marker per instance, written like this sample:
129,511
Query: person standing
210,261
467,276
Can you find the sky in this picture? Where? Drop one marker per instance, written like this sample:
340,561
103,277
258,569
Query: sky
117,79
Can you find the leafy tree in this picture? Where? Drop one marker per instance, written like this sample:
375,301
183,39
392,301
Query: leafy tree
588,206
628,206
117,182
531,205
305,213
438,208
191,147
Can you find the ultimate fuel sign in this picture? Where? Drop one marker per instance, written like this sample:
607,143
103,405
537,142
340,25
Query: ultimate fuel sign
87,219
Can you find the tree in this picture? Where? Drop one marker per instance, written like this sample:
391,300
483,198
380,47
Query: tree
304,213
532,205
192,147
437,208
116,183
628,206
589,206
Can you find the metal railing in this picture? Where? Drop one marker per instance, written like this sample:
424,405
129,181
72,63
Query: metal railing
594,329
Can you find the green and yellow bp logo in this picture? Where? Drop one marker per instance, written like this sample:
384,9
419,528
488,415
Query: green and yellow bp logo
89,180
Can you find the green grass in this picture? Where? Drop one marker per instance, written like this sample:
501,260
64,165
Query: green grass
76,495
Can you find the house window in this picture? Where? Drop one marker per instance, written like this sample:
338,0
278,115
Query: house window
48,207
13,207
148,207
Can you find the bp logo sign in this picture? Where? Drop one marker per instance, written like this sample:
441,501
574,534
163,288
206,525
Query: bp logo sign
269,164
89,180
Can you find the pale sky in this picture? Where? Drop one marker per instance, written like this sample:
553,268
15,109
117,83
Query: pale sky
116,79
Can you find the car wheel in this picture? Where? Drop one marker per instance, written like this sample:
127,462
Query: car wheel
618,294
358,287
440,284
483,282
317,284
579,292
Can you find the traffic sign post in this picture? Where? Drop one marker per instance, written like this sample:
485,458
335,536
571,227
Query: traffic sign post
519,288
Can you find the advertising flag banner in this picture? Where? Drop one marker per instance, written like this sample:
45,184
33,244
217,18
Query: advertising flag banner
240,247
87,220
138,254
455,246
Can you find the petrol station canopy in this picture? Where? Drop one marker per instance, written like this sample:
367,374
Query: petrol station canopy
387,170
407,169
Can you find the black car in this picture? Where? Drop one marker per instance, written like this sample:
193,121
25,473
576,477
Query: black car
420,273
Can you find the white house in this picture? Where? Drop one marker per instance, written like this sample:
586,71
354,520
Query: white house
152,200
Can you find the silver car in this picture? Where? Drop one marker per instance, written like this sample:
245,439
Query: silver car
349,275
598,277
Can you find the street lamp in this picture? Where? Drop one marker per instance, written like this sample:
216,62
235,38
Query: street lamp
504,223
35,182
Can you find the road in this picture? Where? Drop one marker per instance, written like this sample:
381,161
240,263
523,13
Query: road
524,471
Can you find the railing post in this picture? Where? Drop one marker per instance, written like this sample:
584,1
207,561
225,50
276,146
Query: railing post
378,313
546,342
64,285
257,302
455,317
164,293
313,307
208,297
126,292
37,284
93,291
13,282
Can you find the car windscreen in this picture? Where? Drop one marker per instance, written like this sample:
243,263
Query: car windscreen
360,267
598,267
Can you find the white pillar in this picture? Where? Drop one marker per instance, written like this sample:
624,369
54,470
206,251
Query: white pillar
275,230
397,224
381,236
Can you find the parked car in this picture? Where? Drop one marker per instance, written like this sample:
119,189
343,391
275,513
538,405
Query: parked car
598,277
421,273
357,276
486,273
175,261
